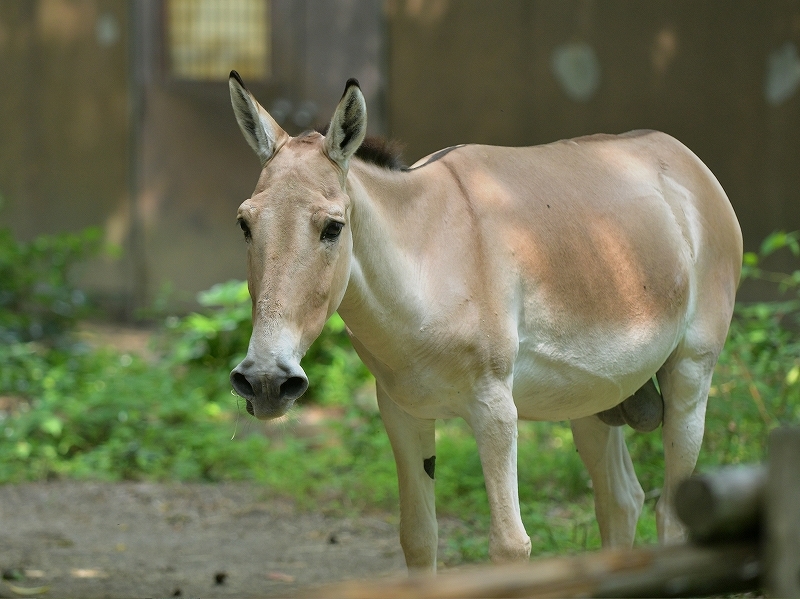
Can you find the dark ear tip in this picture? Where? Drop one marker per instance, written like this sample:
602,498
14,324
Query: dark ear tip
350,83
235,75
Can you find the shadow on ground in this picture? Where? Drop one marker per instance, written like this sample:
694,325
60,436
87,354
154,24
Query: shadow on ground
189,540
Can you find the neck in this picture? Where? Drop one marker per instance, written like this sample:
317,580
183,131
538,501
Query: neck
385,287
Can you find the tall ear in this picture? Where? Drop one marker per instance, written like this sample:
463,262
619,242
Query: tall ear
348,125
260,130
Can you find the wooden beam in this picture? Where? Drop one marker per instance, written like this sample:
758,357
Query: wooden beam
723,504
673,571
782,514
759,507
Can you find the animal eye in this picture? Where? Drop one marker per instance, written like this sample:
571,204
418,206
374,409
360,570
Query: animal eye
245,229
332,231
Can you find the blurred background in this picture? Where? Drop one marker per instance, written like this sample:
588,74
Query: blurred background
121,169
116,113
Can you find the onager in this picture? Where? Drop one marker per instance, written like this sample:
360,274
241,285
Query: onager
544,283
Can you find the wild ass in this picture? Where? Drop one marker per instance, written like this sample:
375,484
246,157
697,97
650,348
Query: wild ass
491,283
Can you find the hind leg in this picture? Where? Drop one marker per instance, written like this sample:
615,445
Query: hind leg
684,381
618,496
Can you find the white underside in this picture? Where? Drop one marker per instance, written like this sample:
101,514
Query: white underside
553,382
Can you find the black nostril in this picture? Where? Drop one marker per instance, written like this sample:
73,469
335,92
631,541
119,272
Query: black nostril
294,387
241,385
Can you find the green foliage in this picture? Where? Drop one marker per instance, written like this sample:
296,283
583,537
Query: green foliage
335,373
554,490
37,297
756,384
70,411
217,339
757,381
101,414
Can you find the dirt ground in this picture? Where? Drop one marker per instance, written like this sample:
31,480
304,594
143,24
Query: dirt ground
81,539
188,540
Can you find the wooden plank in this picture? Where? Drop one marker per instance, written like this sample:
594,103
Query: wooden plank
723,504
782,514
674,571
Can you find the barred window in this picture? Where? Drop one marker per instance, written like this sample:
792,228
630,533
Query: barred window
208,38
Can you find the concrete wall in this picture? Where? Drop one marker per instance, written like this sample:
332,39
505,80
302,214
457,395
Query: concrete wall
64,126
195,167
95,130
720,76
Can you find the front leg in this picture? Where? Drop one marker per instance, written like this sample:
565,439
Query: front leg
493,419
414,446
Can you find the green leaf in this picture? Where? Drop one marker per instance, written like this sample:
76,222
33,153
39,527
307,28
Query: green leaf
52,426
335,324
231,293
793,375
750,259
23,449
781,239
773,242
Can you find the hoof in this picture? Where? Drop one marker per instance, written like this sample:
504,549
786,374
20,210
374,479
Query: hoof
644,410
509,552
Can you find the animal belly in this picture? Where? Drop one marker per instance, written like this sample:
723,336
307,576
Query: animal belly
562,385
565,396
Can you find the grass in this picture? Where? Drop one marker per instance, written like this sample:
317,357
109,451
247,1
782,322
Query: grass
68,410
100,414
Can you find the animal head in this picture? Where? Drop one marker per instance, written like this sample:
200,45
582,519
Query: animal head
299,243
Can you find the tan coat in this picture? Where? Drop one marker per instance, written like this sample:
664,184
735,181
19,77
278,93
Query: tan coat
489,283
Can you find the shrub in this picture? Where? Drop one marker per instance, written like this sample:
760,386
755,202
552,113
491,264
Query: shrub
217,339
68,411
757,382
38,300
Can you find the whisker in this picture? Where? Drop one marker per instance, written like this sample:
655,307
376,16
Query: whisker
238,410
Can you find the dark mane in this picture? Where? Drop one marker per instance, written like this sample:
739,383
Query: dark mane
386,153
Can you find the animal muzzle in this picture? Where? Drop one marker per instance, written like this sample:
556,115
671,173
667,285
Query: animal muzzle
268,393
